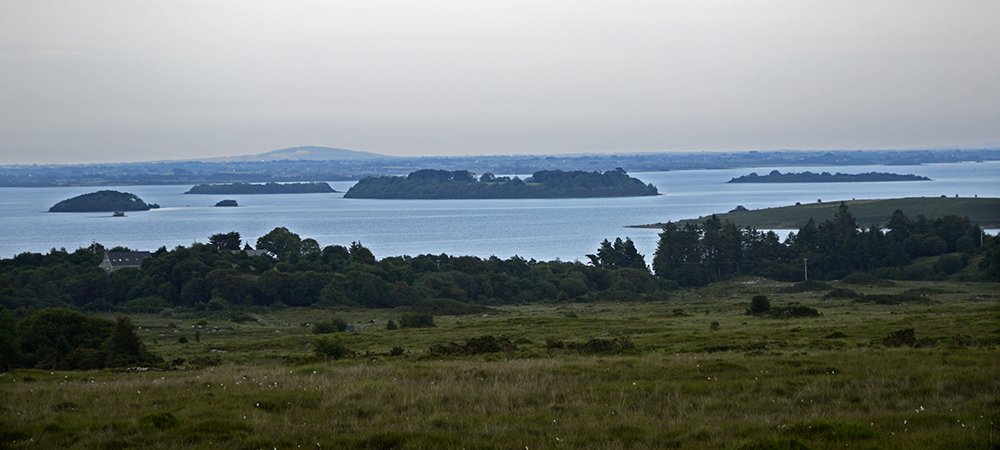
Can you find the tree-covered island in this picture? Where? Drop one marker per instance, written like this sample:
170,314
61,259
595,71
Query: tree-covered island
267,188
825,177
102,201
462,184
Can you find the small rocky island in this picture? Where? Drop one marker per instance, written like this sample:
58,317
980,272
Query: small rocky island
462,184
267,188
223,203
825,177
102,201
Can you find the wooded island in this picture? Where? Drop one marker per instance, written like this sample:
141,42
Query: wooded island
462,184
825,177
267,188
102,201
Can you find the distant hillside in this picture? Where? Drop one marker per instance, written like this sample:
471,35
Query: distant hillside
984,211
315,154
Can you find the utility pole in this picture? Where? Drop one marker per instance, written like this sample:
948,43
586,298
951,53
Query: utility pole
806,262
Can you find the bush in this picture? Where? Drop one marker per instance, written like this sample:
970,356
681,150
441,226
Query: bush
329,326
759,304
604,346
391,325
842,293
859,278
240,317
160,421
949,264
919,272
326,347
807,286
448,307
793,310
416,320
475,346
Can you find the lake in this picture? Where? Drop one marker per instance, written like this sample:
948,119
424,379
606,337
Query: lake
542,229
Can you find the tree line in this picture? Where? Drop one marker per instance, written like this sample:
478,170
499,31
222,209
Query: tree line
698,254
299,272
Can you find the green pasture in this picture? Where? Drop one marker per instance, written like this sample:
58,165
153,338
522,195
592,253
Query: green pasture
694,372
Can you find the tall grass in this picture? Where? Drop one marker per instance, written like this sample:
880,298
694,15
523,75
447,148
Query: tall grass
753,383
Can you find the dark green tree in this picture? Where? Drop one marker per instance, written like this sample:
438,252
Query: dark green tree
618,255
281,242
759,304
225,241
361,254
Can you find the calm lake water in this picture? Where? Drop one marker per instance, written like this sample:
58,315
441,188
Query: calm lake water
544,229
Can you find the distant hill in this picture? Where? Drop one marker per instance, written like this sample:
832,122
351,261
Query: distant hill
984,211
307,154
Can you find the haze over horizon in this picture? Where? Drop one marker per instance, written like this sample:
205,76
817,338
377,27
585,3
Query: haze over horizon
108,81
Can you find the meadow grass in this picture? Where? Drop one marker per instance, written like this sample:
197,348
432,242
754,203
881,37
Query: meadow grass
749,383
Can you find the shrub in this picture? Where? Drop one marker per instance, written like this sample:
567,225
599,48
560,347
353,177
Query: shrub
391,325
759,304
326,347
329,326
160,421
807,286
240,317
552,344
604,346
859,278
793,310
842,293
899,338
416,320
448,307
949,264
474,346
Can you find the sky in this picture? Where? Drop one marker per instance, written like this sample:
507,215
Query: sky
121,81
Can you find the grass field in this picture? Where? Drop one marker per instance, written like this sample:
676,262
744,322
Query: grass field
692,372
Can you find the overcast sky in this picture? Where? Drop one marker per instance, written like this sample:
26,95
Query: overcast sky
116,81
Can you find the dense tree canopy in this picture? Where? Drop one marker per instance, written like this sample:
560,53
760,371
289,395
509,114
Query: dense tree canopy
102,201
825,177
696,255
440,184
206,276
56,338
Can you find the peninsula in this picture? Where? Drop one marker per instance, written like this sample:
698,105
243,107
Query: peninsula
462,184
825,177
983,211
267,188
102,201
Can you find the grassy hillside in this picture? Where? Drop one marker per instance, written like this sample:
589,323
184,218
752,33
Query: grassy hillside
697,373
984,211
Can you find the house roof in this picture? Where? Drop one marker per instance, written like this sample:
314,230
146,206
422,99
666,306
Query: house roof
117,260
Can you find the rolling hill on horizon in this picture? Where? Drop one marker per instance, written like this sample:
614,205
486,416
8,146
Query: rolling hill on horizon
307,153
